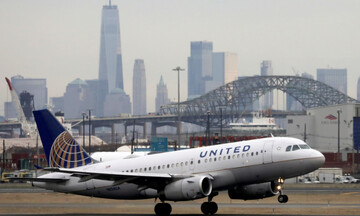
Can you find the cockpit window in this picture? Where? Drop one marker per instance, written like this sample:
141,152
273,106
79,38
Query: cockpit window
288,148
295,147
304,146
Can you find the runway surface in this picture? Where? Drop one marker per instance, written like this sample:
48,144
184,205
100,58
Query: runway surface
303,200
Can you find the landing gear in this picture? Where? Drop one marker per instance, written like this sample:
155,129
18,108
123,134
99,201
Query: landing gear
282,198
162,209
209,207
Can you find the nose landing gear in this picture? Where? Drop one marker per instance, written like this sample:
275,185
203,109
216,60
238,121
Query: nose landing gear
282,198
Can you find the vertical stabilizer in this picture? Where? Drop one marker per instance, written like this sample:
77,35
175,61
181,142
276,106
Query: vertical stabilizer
61,149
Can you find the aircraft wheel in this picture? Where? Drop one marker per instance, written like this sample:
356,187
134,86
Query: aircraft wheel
283,198
213,207
209,208
163,209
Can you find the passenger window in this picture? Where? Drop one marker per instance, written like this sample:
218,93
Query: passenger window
159,167
198,161
168,166
252,153
145,169
210,159
295,147
288,148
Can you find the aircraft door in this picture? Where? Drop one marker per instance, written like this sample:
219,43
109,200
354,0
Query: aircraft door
267,151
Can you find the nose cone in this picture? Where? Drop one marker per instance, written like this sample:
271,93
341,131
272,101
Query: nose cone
318,159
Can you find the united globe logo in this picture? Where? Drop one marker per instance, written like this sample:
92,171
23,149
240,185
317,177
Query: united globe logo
67,153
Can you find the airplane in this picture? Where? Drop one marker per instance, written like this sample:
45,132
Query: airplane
253,169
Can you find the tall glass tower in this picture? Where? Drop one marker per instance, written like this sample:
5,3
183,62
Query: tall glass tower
199,67
139,88
358,90
268,98
110,67
336,78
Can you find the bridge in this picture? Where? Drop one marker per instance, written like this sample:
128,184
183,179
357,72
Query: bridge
232,99
227,103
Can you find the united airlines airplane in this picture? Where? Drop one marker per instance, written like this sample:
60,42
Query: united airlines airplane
252,169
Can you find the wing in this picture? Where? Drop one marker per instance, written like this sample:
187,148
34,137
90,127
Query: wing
144,180
51,180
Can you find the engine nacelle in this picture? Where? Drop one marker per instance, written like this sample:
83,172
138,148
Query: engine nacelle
254,191
188,189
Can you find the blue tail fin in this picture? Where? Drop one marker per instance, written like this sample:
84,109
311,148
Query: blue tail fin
61,149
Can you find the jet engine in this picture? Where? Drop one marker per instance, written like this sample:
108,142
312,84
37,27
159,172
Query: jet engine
254,191
188,189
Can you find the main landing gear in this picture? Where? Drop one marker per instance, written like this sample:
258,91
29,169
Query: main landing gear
282,198
163,209
209,207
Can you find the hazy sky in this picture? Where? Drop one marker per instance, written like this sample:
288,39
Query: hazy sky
60,39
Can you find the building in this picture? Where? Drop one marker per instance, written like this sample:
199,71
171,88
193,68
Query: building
117,102
319,127
110,67
161,95
199,67
267,100
358,90
336,78
36,87
224,70
96,94
292,103
139,88
75,96
57,104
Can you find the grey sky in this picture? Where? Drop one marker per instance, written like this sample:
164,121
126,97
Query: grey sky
60,39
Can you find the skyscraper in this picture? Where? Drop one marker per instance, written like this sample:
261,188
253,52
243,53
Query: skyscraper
36,87
292,103
161,95
139,88
268,99
110,67
199,67
336,78
75,102
224,69
358,90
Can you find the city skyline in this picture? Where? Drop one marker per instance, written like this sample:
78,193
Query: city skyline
60,41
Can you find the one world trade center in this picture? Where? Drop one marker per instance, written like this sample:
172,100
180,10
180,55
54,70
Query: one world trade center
110,67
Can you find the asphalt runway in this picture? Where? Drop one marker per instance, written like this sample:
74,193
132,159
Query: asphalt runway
303,200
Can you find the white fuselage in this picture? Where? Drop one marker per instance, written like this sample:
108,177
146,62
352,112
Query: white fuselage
239,163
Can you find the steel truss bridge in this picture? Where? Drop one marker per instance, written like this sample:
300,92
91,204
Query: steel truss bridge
230,101
227,103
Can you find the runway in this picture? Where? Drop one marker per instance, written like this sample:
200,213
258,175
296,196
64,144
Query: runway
303,200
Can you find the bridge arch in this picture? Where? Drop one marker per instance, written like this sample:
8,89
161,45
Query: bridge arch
233,98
